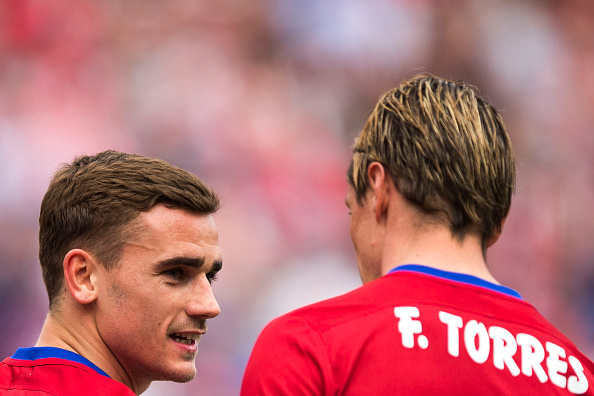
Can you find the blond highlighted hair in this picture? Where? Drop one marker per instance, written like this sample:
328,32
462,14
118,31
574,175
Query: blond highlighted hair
447,150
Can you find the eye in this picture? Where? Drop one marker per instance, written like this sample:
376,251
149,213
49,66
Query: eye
174,273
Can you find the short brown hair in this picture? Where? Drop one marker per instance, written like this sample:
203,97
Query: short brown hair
447,150
89,203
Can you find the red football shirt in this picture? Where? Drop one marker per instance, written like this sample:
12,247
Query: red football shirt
53,371
417,331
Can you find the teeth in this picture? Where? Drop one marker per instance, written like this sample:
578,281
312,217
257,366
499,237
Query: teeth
187,339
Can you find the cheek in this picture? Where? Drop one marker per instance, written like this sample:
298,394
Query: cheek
354,229
358,229
117,295
129,305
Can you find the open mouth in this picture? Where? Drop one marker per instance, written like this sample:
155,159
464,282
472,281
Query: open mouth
188,339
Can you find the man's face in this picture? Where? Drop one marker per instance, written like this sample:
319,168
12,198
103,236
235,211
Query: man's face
364,233
152,308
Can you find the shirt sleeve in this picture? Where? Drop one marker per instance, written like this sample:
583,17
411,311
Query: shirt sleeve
289,358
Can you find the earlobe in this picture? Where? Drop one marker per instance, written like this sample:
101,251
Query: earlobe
79,275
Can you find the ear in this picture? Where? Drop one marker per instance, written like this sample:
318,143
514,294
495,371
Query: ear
496,235
80,273
380,186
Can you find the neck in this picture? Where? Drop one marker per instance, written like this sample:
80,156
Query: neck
81,336
411,239
439,251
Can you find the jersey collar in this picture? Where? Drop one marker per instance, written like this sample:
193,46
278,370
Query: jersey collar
457,277
35,353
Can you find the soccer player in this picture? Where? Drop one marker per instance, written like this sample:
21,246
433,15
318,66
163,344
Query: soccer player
128,250
430,186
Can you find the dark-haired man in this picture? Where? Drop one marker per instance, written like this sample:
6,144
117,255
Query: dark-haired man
128,249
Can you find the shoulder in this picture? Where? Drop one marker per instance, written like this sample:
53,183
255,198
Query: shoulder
293,353
57,377
360,302
289,357
309,330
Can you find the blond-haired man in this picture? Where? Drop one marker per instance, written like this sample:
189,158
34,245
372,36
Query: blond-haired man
430,186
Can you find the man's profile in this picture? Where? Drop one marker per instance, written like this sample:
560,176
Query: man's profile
128,249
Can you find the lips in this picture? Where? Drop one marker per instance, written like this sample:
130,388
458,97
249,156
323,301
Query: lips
185,338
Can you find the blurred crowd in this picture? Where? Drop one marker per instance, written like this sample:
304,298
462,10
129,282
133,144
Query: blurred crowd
262,100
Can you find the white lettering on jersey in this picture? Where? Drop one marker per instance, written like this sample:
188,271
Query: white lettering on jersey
476,330
504,349
546,363
409,327
532,355
578,383
555,365
454,324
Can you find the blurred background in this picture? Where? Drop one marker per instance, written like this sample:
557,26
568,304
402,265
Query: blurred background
262,100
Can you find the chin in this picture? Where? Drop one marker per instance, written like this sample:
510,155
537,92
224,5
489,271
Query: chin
181,373
183,378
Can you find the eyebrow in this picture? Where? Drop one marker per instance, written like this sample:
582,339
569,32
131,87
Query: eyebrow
346,202
194,262
217,266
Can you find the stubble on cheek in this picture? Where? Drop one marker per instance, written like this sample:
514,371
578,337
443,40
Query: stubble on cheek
117,294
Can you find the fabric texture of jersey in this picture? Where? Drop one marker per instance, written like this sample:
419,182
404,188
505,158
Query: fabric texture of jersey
54,371
417,331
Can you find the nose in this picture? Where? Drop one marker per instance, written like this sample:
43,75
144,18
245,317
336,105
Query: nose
203,303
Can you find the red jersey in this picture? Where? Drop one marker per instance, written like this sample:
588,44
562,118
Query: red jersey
53,371
417,331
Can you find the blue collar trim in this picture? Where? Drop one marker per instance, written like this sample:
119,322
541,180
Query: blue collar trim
458,277
35,353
